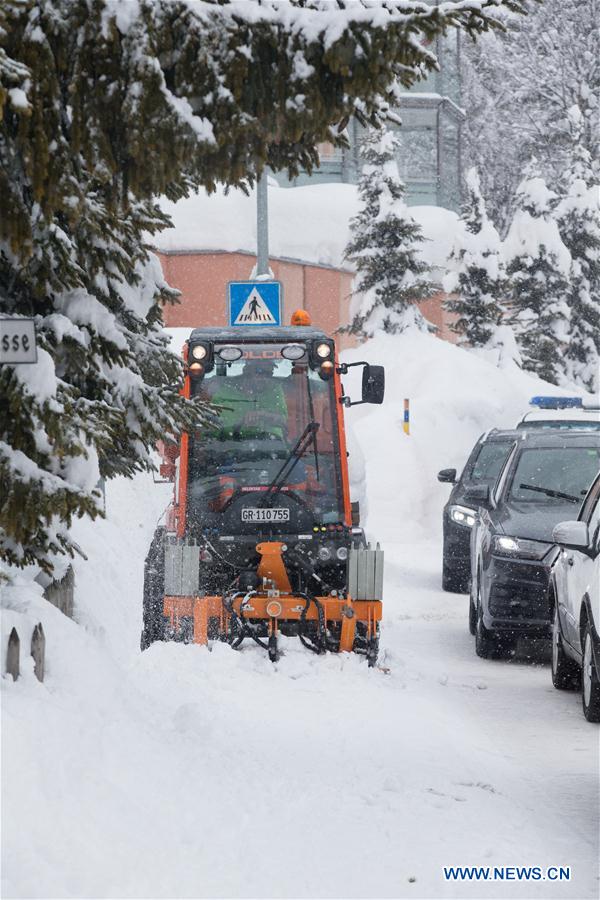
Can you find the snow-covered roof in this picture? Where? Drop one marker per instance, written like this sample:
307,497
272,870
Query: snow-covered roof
307,223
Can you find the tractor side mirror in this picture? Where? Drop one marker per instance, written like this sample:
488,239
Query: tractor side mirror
373,384
447,475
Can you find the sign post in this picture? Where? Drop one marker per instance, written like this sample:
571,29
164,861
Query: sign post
17,341
406,418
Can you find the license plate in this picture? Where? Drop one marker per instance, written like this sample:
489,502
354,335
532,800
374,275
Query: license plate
257,514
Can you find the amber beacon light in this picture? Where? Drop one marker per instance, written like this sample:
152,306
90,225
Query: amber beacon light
301,317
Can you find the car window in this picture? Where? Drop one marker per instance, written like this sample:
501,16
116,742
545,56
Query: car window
554,474
489,461
594,525
590,513
590,501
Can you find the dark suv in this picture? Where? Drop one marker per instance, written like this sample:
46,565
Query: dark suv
544,482
482,468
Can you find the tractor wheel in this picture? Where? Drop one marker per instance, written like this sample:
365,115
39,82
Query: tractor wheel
154,623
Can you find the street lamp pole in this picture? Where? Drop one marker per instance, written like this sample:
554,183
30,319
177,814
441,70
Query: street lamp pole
262,227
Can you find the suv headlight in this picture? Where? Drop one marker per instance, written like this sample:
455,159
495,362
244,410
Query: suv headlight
463,515
519,547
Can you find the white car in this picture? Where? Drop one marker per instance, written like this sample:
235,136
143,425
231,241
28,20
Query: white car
563,413
575,604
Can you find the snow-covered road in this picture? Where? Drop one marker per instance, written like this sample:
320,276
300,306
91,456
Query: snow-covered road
181,772
187,773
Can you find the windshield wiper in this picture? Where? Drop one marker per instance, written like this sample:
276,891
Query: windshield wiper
314,437
550,493
296,453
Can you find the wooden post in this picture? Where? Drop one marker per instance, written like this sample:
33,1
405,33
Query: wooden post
38,651
12,654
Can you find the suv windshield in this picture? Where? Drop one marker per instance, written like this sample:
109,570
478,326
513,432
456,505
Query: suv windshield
263,458
489,462
554,474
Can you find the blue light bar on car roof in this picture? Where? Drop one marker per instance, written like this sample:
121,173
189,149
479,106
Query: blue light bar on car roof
557,402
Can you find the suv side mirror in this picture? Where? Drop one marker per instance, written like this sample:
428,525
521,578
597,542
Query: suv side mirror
447,475
573,535
478,493
373,384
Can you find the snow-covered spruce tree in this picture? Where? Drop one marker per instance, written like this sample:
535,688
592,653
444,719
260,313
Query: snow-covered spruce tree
578,216
538,266
475,276
383,246
519,87
104,107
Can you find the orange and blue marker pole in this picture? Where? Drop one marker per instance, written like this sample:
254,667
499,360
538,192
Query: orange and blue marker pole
406,420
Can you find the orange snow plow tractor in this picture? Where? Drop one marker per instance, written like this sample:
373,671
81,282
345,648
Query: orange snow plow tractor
262,539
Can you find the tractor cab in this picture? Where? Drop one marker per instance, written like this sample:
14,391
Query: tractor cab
262,501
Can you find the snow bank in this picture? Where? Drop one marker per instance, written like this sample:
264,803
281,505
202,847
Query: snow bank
223,221
455,395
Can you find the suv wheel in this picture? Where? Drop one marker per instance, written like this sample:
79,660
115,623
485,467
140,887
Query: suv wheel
472,611
485,643
453,579
565,671
490,644
590,679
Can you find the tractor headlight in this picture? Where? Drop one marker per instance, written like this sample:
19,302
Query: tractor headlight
229,354
342,553
520,548
293,351
323,351
463,515
199,351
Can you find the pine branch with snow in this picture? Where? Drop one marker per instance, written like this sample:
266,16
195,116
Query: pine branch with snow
538,267
106,106
578,217
383,246
476,278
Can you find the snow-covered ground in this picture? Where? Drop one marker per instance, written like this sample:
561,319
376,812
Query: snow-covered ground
184,772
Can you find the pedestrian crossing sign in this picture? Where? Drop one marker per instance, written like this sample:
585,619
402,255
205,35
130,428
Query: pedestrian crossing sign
255,303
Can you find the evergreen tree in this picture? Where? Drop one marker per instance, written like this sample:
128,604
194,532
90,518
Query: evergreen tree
521,89
538,266
476,273
105,106
383,246
578,216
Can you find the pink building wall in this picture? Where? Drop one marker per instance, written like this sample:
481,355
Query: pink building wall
202,278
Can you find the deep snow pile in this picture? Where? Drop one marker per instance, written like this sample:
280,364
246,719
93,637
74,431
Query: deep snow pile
455,395
189,773
227,221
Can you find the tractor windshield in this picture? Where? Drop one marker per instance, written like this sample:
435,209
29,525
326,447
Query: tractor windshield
271,454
